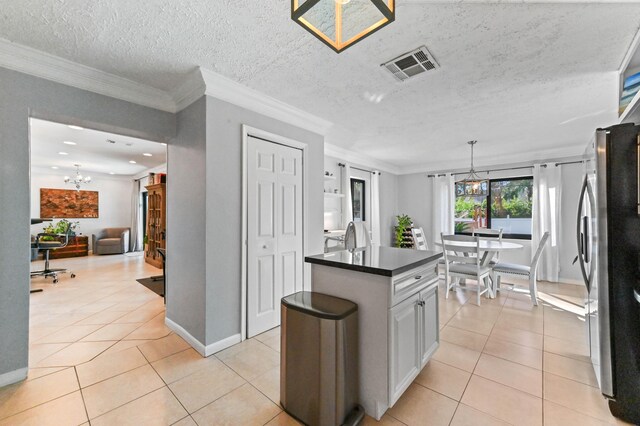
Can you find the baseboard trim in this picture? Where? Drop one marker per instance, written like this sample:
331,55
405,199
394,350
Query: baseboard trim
203,350
13,376
195,343
223,344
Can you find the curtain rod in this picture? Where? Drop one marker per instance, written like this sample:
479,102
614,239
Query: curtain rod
509,168
358,168
140,178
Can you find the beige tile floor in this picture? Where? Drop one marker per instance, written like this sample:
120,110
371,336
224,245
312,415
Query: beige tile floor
101,354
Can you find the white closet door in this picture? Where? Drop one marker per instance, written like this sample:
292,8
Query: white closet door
274,231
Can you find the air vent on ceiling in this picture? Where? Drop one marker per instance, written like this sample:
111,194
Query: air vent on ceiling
411,64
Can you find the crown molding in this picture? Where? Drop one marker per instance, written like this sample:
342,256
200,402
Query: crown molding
225,89
512,160
44,65
192,89
359,159
199,82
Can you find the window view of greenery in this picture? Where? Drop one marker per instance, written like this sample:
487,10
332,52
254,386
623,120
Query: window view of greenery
470,213
511,208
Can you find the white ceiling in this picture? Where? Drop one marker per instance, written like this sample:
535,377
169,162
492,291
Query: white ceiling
92,151
528,81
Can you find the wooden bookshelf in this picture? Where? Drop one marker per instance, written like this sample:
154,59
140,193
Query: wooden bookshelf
156,223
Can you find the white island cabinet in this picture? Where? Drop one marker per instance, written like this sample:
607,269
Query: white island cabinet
397,295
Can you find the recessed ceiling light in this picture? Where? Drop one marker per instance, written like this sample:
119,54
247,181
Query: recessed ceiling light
69,143
54,167
111,173
63,153
71,126
132,162
146,154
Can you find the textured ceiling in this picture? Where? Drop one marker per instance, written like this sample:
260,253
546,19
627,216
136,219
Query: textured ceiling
91,150
526,80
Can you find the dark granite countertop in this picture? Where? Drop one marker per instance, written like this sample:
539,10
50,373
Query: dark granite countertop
386,261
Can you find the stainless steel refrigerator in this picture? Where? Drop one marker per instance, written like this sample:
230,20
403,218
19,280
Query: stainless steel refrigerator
608,231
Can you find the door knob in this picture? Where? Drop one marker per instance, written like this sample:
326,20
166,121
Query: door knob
264,246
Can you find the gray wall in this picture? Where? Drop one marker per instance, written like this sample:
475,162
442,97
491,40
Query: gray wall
206,164
414,199
388,196
21,96
186,214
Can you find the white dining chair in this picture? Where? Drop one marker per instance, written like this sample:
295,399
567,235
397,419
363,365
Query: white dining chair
489,234
419,239
462,260
530,271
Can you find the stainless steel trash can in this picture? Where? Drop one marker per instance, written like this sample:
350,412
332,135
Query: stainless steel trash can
319,359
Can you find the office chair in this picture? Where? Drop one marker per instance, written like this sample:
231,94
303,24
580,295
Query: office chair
46,247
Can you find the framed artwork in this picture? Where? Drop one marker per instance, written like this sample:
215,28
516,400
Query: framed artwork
68,203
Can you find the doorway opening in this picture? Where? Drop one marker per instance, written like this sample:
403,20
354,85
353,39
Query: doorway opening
90,216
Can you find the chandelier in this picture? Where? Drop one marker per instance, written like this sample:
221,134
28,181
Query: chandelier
341,23
78,179
472,184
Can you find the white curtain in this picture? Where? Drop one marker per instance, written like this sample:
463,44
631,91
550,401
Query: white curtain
134,240
375,208
546,217
443,207
347,208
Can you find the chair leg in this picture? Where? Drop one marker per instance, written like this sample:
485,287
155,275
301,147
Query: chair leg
446,283
478,292
533,289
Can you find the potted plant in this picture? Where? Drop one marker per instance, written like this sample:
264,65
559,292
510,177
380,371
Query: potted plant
60,227
404,223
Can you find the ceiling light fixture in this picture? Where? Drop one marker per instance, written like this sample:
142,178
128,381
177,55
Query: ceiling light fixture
78,179
69,143
63,153
146,154
54,167
71,126
341,23
132,162
472,184
111,173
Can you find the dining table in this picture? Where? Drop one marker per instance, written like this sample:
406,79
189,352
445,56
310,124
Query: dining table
489,248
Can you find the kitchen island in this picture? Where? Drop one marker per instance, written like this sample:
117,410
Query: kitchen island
397,295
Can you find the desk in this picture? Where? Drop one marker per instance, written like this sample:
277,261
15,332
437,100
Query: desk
37,220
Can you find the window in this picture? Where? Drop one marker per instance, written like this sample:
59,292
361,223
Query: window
358,199
508,205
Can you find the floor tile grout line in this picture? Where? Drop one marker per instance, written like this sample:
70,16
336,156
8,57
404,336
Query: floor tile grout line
167,384
84,404
38,405
115,375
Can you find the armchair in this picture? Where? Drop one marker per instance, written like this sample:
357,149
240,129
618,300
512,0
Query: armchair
111,241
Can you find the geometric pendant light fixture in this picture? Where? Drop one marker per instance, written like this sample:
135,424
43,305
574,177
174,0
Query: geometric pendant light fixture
341,23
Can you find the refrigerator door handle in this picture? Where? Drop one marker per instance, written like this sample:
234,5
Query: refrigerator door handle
638,168
580,235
